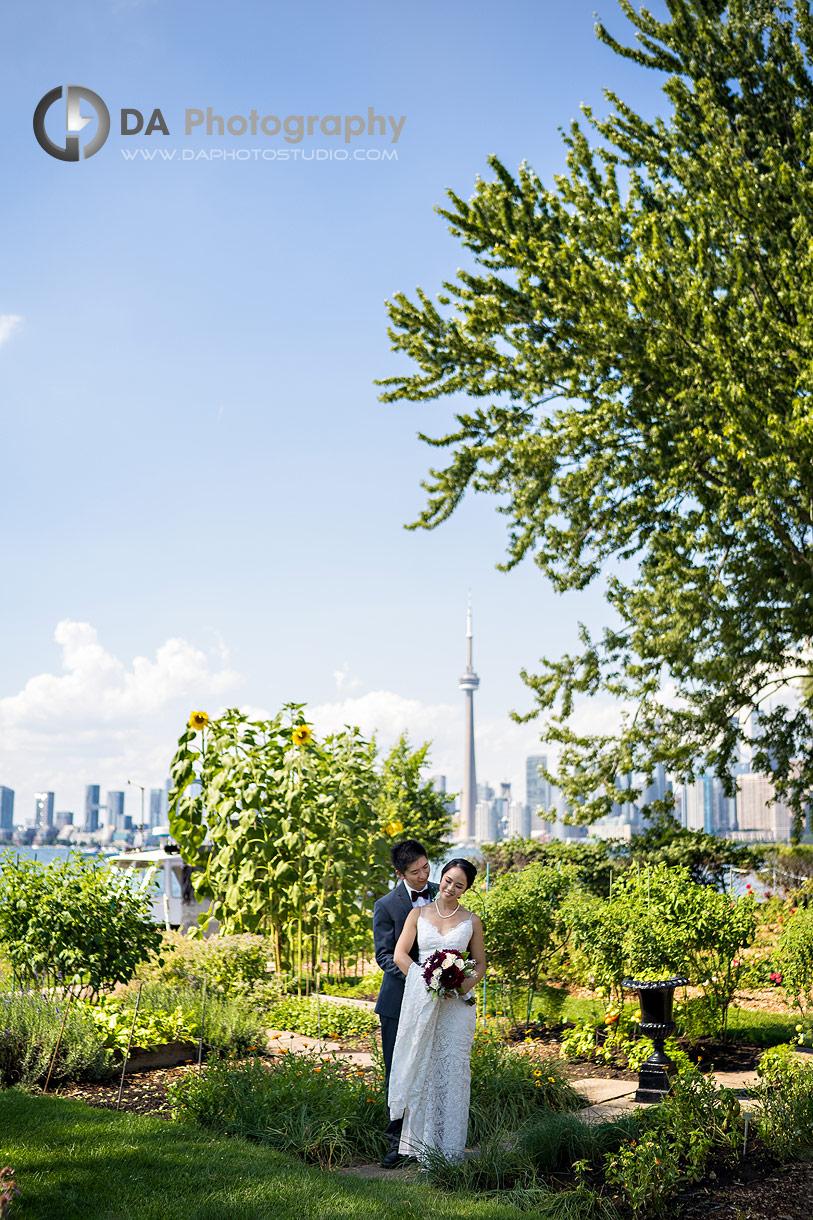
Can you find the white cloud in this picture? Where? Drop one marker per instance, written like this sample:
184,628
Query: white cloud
97,689
343,679
501,746
103,720
9,322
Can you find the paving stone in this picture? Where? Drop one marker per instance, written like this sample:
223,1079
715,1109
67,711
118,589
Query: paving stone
607,1111
282,1041
738,1081
598,1089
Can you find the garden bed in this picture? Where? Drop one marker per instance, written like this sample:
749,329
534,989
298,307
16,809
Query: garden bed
759,1189
166,1055
144,1092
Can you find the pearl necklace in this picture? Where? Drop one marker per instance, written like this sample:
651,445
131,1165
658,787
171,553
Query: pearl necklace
440,913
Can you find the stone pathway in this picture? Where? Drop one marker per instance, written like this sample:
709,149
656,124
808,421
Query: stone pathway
609,1099
284,1040
281,1041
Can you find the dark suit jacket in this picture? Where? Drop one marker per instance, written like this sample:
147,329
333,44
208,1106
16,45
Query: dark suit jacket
389,917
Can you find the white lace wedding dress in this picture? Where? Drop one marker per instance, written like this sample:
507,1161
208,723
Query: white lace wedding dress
431,1064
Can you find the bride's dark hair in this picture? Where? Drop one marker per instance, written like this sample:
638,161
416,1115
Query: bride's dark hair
467,867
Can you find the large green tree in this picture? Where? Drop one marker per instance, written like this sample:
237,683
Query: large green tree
638,340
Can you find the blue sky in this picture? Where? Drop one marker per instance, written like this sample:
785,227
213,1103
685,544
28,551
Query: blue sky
204,500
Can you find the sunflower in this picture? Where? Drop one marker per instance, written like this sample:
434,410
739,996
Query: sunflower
301,735
198,720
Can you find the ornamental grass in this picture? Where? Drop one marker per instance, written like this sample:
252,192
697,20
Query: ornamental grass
315,1107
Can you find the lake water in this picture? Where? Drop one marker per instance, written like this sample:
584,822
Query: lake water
43,855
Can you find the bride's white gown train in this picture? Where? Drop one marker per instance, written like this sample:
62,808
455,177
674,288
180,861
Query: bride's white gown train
431,1064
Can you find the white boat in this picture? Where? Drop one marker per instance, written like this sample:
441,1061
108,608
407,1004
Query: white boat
173,900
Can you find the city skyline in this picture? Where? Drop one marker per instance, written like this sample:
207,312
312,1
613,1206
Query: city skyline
700,805
751,814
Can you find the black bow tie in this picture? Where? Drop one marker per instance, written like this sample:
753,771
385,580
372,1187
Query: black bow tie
422,894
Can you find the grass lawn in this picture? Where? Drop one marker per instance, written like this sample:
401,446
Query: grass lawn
761,1028
74,1162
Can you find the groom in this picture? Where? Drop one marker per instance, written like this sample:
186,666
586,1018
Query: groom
389,916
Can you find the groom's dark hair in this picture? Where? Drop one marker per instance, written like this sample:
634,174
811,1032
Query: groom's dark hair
406,853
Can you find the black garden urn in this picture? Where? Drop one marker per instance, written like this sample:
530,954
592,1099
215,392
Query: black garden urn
656,1000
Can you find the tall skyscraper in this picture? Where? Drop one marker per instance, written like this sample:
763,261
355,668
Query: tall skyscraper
157,807
487,822
115,810
537,788
537,793
761,814
6,809
91,807
656,791
519,820
468,796
43,809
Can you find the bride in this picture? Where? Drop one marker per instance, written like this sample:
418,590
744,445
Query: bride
431,1068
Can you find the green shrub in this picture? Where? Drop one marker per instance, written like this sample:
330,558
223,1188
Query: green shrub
324,1019
497,1168
794,958
584,1040
30,1025
676,1141
524,925
73,923
697,1119
555,1140
645,1173
785,1115
359,989
517,1167
658,924
775,1062
153,1026
232,965
319,1109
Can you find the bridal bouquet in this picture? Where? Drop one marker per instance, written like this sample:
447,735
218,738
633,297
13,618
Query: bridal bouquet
443,973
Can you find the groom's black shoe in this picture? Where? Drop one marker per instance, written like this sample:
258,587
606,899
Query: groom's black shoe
393,1158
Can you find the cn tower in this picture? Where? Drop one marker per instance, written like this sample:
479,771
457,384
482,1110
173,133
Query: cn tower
468,796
